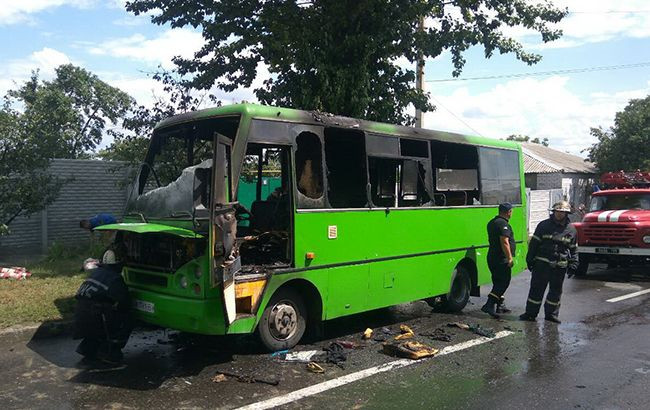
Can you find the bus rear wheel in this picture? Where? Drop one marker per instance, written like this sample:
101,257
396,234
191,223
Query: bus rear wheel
458,296
283,321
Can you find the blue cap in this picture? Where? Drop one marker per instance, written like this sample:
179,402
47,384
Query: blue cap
505,207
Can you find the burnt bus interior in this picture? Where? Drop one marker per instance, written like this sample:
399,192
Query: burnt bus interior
263,230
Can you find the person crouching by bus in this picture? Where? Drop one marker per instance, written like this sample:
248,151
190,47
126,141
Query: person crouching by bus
552,254
102,317
500,259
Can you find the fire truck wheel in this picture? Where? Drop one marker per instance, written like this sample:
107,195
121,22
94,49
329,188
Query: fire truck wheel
283,321
583,264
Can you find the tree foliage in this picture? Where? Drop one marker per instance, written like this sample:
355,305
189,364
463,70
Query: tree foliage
526,138
341,56
71,112
25,185
41,120
626,145
131,141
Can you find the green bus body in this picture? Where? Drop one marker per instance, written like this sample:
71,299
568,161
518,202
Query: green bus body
377,257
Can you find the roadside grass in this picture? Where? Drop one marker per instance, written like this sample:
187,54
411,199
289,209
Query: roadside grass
49,293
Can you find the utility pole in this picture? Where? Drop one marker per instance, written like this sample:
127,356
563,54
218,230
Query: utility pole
419,76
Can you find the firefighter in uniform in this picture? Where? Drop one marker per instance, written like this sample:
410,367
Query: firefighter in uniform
500,259
102,317
552,254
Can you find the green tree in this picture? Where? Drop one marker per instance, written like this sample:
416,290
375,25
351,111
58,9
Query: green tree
526,138
70,113
626,145
341,56
25,185
131,141
42,120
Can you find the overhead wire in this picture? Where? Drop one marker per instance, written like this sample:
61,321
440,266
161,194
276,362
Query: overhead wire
544,73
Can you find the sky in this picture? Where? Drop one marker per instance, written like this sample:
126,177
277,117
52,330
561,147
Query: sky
122,49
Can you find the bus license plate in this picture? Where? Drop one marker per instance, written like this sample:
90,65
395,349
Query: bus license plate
144,306
606,250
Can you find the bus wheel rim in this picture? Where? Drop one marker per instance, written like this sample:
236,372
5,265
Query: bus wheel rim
283,322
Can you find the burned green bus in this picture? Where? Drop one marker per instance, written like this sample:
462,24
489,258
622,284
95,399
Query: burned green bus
362,215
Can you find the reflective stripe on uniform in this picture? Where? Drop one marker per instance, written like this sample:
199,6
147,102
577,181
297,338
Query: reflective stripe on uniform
494,296
96,282
552,303
537,302
536,237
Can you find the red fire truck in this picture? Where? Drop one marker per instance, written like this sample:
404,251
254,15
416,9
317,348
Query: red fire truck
616,228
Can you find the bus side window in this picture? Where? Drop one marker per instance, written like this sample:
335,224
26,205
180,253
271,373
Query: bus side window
345,161
309,166
500,178
456,170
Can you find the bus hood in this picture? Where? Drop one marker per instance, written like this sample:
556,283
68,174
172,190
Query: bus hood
150,228
623,215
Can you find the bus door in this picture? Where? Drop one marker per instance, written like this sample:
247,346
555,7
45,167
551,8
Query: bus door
225,261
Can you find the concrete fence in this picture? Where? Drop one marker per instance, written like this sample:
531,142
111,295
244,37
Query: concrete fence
539,202
93,186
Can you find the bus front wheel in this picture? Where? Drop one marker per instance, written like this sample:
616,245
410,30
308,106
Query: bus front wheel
283,321
458,296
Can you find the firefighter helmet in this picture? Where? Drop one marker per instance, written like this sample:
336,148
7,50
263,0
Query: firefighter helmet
562,206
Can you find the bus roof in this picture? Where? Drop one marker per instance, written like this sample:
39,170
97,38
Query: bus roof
319,118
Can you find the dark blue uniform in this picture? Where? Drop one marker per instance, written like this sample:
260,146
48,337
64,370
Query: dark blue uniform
497,260
551,253
102,317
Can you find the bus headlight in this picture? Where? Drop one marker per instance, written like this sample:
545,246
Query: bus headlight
646,239
183,282
198,272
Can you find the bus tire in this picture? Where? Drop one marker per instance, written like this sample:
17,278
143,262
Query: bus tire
583,264
283,322
458,296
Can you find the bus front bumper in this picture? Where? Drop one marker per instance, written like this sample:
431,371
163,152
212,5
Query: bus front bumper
203,316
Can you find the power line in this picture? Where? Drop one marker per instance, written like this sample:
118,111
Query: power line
455,116
543,73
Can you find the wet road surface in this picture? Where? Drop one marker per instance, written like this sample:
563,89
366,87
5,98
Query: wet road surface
599,357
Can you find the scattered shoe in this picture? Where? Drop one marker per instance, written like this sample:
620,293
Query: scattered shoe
553,319
527,317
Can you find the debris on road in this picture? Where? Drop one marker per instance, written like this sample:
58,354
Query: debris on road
315,367
219,377
334,353
482,331
15,272
438,334
348,344
407,333
460,325
302,357
410,350
475,328
245,378
367,334
279,353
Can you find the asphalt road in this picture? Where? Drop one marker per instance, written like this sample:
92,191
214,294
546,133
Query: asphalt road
599,357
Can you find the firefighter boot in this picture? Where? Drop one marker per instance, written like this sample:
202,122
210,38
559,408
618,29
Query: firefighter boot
527,317
490,307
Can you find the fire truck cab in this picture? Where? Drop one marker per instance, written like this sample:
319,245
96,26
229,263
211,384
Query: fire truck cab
616,228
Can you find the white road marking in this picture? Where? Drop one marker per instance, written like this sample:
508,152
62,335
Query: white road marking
353,377
602,217
615,215
629,295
